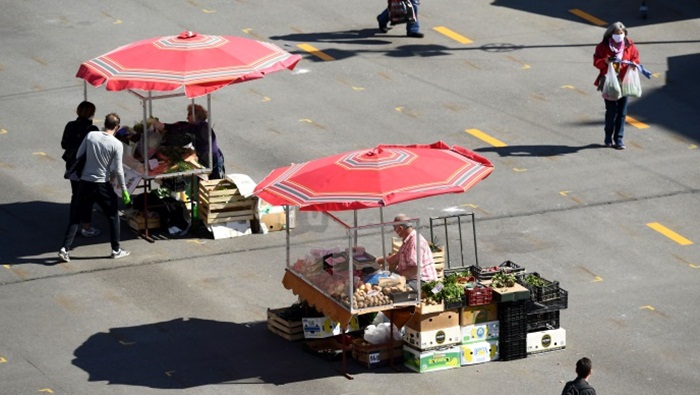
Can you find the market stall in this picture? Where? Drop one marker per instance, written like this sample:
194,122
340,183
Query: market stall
335,280
198,65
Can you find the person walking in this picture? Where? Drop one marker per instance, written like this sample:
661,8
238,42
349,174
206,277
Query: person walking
580,386
412,27
615,48
73,134
103,159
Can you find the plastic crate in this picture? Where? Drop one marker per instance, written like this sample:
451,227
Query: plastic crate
479,295
540,293
543,321
509,350
512,311
487,273
560,303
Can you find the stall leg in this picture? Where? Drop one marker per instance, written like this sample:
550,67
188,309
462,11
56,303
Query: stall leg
346,346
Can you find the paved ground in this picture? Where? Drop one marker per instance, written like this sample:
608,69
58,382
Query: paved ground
187,315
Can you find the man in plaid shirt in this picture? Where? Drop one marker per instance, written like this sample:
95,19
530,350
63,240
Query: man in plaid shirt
404,261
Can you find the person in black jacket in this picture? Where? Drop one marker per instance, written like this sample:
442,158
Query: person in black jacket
580,386
73,134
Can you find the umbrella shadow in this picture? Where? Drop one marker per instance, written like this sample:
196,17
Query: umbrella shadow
186,353
538,150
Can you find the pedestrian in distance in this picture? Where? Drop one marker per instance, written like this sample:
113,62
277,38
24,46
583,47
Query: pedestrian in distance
615,50
103,153
412,26
73,134
580,386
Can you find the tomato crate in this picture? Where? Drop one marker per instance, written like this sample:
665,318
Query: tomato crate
479,295
487,273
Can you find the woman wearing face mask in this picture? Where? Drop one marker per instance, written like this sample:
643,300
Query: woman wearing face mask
614,48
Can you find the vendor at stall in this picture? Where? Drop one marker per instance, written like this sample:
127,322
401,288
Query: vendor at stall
198,126
403,261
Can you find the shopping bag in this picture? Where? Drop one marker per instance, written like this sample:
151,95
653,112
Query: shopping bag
611,86
631,85
75,171
401,11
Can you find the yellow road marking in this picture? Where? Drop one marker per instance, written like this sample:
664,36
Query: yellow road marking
647,307
49,390
118,22
692,146
208,11
564,193
307,120
590,18
597,279
669,233
357,88
39,153
486,138
315,51
452,34
518,169
568,87
3,360
3,131
636,124
469,205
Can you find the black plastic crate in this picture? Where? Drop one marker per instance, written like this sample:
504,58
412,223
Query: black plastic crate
561,302
540,293
487,273
509,350
543,321
512,311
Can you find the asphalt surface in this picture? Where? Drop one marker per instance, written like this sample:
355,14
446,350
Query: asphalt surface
187,315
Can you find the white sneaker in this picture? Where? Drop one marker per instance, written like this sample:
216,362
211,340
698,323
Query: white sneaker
63,255
120,254
90,232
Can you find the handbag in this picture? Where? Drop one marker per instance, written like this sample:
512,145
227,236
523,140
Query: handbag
611,86
631,85
401,11
75,171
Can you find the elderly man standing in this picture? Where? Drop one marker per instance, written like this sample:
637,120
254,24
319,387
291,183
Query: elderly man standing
404,261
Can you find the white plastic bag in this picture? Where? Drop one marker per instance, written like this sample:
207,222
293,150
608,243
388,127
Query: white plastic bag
379,334
631,85
611,86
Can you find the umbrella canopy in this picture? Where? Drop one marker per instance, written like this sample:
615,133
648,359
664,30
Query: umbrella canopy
200,63
378,177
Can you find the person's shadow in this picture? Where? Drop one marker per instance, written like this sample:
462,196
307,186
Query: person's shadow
538,150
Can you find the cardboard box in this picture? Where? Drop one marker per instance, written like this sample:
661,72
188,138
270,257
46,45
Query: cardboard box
480,332
470,315
432,360
553,339
322,327
479,352
433,338
433,321
511,294
274,218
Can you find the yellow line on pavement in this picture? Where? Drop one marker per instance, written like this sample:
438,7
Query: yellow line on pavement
315,51
590,18
636,124
669,233
485,137
452,34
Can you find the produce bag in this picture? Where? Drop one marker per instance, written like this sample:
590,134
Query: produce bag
381,333
401,11
631,85
611,86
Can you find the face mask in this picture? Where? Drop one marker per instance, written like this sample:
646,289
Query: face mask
618,37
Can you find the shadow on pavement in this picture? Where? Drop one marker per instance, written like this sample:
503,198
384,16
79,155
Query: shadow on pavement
186,353
538,150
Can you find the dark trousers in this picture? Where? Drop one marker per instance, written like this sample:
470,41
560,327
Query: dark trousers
86,214
88,194
615,114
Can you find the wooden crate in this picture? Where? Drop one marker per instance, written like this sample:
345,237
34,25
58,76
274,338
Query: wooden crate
219,201
290,330
375,355
138,222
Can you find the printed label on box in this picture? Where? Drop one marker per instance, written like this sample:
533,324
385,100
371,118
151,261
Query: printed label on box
479,352
480,332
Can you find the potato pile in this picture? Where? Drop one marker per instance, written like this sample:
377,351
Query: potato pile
367,295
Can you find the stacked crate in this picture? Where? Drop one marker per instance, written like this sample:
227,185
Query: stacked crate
479,327
512,341
432,342
544,314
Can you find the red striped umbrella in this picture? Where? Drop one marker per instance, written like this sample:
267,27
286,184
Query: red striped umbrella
200,63
378,177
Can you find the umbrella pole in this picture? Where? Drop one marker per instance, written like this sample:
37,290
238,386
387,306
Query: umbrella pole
381,220
211,164
84,90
